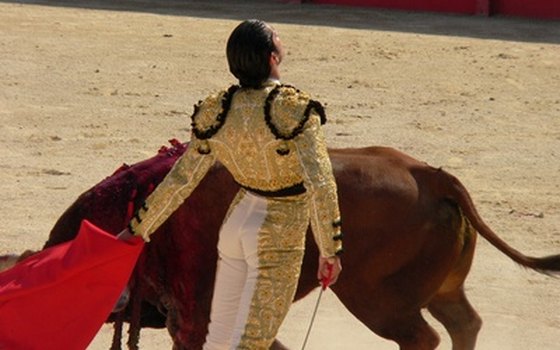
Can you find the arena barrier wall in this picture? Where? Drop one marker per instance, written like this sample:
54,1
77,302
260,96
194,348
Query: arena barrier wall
546,9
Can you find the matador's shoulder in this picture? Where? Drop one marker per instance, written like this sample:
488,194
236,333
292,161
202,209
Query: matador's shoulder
287,109
209,114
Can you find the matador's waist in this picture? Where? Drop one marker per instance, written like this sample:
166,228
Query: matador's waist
294,190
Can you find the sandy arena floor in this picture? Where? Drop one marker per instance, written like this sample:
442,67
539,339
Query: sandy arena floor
86,86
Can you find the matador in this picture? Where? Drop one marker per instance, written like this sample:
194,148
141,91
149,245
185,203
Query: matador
269,137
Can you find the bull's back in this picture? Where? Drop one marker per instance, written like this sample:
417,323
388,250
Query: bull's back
396,225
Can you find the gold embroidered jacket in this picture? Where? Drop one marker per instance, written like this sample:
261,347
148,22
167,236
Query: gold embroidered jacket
269,139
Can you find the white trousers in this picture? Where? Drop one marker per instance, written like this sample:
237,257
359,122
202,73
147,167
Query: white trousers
236,273
260,252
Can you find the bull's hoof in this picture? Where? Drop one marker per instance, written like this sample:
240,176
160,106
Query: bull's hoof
278,346
123,300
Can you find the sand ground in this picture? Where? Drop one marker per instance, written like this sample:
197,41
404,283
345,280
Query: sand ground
88,85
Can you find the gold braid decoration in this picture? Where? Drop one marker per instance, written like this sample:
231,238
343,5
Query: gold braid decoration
219,117
287,101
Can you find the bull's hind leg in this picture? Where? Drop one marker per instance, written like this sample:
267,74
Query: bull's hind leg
411,332
278,346
450,305
457,315
392,318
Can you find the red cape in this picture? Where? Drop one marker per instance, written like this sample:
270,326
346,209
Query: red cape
60,297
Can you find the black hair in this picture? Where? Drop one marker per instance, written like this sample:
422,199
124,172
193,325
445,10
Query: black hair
248,52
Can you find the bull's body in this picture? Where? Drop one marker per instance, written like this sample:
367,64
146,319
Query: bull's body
409,237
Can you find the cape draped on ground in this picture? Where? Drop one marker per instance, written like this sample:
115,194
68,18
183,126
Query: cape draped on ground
60,297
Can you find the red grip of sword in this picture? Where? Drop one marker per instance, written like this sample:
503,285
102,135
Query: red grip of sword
326,280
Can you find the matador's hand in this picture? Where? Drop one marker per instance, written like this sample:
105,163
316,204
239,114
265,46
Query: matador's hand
329,269
125,235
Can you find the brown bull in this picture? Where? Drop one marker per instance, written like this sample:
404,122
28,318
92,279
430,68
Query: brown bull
7,261
410,233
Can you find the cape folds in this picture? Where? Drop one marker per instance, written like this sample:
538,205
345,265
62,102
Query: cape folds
60,297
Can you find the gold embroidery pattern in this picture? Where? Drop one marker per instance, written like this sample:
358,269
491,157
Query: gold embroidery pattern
245,145
179,183
319,182
257,159
248,149
281,247
286,111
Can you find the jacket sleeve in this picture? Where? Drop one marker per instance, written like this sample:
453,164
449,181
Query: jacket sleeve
320,184
179,183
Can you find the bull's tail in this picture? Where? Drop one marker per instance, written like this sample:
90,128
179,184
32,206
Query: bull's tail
455,190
